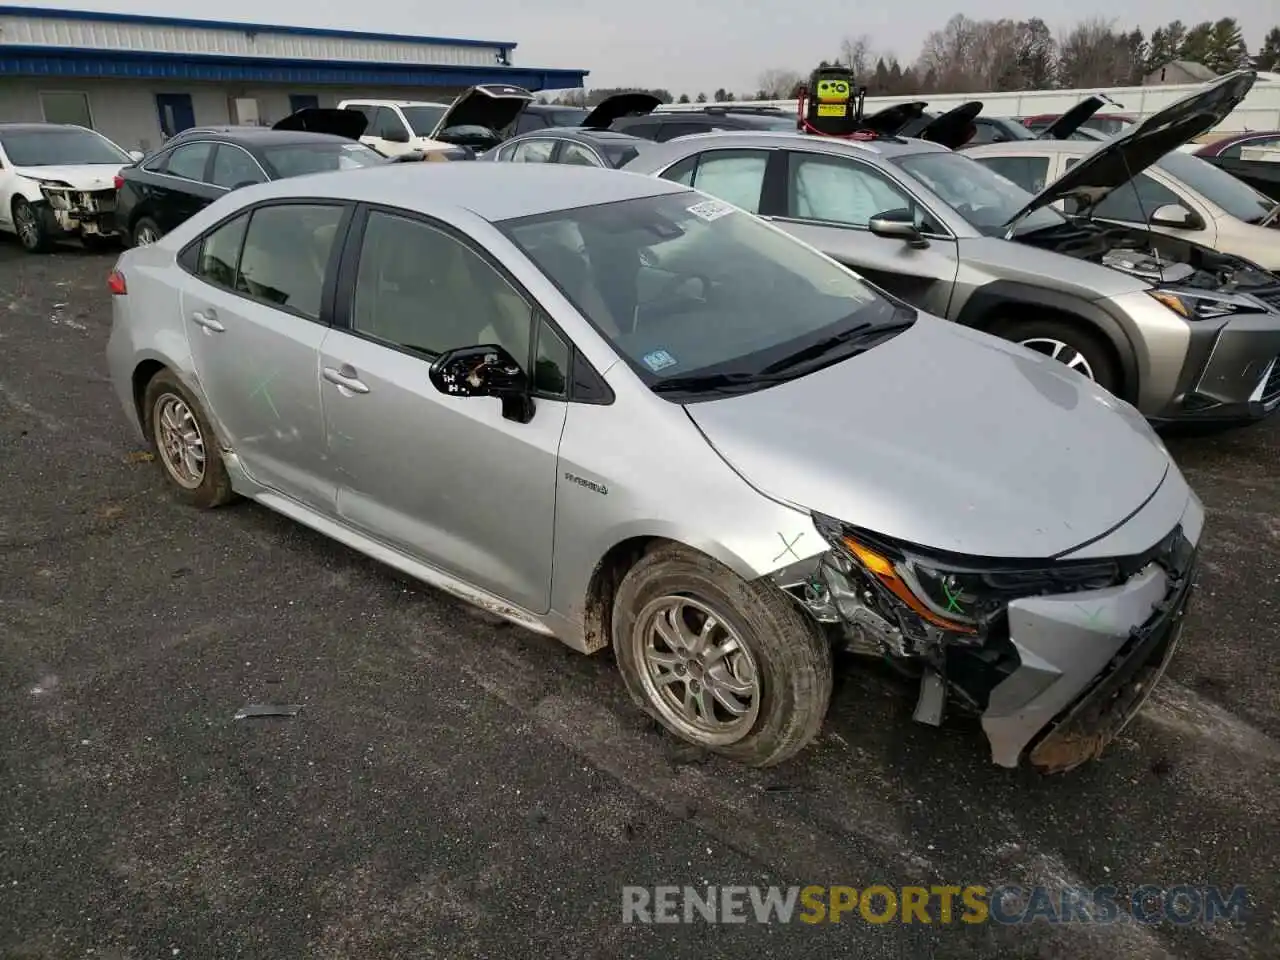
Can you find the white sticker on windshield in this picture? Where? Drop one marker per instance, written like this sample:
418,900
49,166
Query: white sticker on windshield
709,210
658,360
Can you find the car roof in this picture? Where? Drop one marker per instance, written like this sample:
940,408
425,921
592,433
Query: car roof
772,139
37,127
396,103
492,191
256,136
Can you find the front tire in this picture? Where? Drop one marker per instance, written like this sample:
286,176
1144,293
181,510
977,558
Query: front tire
725,664
29,224
1071,344
184,443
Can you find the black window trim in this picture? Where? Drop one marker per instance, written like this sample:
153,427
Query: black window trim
219,145
327,295
343,300
167,154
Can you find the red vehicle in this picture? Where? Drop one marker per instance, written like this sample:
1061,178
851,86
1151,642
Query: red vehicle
1260,174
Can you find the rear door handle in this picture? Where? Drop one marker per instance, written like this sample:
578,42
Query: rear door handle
208,319
346,377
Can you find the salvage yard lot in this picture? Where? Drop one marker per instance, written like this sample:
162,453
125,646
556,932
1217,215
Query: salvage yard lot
455,787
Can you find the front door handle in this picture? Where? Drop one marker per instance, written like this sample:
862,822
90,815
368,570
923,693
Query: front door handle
208,319
346,377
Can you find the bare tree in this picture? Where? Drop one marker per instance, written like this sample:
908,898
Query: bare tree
1093,54
856,54
950,56
779,84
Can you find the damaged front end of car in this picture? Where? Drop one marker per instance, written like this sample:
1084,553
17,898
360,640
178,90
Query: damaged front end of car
1055,657
80,212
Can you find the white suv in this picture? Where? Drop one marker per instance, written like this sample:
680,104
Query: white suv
399,126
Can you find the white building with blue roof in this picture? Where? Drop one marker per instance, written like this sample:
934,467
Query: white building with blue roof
139,79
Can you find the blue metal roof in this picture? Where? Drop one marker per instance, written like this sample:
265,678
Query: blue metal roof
43,61
48,13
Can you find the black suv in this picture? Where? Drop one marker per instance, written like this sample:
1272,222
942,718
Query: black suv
667,125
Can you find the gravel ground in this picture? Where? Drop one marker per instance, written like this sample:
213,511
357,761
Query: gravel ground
455,787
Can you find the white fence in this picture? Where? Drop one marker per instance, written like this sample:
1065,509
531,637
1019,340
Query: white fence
1259,111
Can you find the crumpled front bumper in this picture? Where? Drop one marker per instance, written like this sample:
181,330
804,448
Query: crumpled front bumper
1088,662
72,211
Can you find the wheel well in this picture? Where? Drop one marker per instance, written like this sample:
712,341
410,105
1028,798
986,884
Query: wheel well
992,321
597,613
143,374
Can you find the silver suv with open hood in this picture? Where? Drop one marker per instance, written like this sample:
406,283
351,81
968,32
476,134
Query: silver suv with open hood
1181,331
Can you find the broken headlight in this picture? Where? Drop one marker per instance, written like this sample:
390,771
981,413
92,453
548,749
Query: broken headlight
958,594
1206,305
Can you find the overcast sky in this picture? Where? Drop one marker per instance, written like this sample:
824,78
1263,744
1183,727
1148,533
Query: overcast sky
681,45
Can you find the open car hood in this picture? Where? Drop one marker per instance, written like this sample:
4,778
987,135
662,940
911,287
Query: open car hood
618,106
890,121
490,105
341,123
1072,120
1130,152
954,128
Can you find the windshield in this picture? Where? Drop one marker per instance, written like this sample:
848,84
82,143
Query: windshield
682,284
986,200
56,147
423,118
299,159
1217,186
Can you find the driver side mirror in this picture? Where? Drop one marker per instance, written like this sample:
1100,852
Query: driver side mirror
484,371
1176,216
897,225
136,155
397,135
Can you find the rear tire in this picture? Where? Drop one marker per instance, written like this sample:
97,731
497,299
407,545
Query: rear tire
184,443
1073,344
754,687
145,232
28,223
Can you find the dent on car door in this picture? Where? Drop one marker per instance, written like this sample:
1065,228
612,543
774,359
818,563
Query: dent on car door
451,481
255,312
830,202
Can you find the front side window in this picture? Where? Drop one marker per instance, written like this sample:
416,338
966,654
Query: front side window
421,289
846,192
680,283
232,167
1029,173
189,162
985,200
59,146
551,363
1132,202
299,159
286,255
1217,186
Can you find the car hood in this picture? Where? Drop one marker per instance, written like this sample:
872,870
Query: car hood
889,121
946,438
341,123
1071,121
81,176
490,105
1131,151
618,106
954,128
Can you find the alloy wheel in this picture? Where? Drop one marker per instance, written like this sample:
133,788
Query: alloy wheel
179,441
696,671
1064,353
28,228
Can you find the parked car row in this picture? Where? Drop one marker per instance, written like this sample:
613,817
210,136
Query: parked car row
655,410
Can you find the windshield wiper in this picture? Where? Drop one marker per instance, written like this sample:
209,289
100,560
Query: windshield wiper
717,382
852,335
1270,217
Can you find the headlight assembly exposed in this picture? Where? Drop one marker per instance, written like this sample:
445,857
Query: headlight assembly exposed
958,595
1206,305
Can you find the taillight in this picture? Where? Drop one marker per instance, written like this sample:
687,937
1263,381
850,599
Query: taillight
116,284
119,181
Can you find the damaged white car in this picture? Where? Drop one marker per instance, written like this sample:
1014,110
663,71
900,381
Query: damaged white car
58,182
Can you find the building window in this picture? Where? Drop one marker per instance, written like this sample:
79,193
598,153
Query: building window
67,107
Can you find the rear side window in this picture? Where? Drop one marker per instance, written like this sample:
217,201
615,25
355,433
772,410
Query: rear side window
385,124
1027,172
189,161
220,253
286,255
232,167
528,122
1233,152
